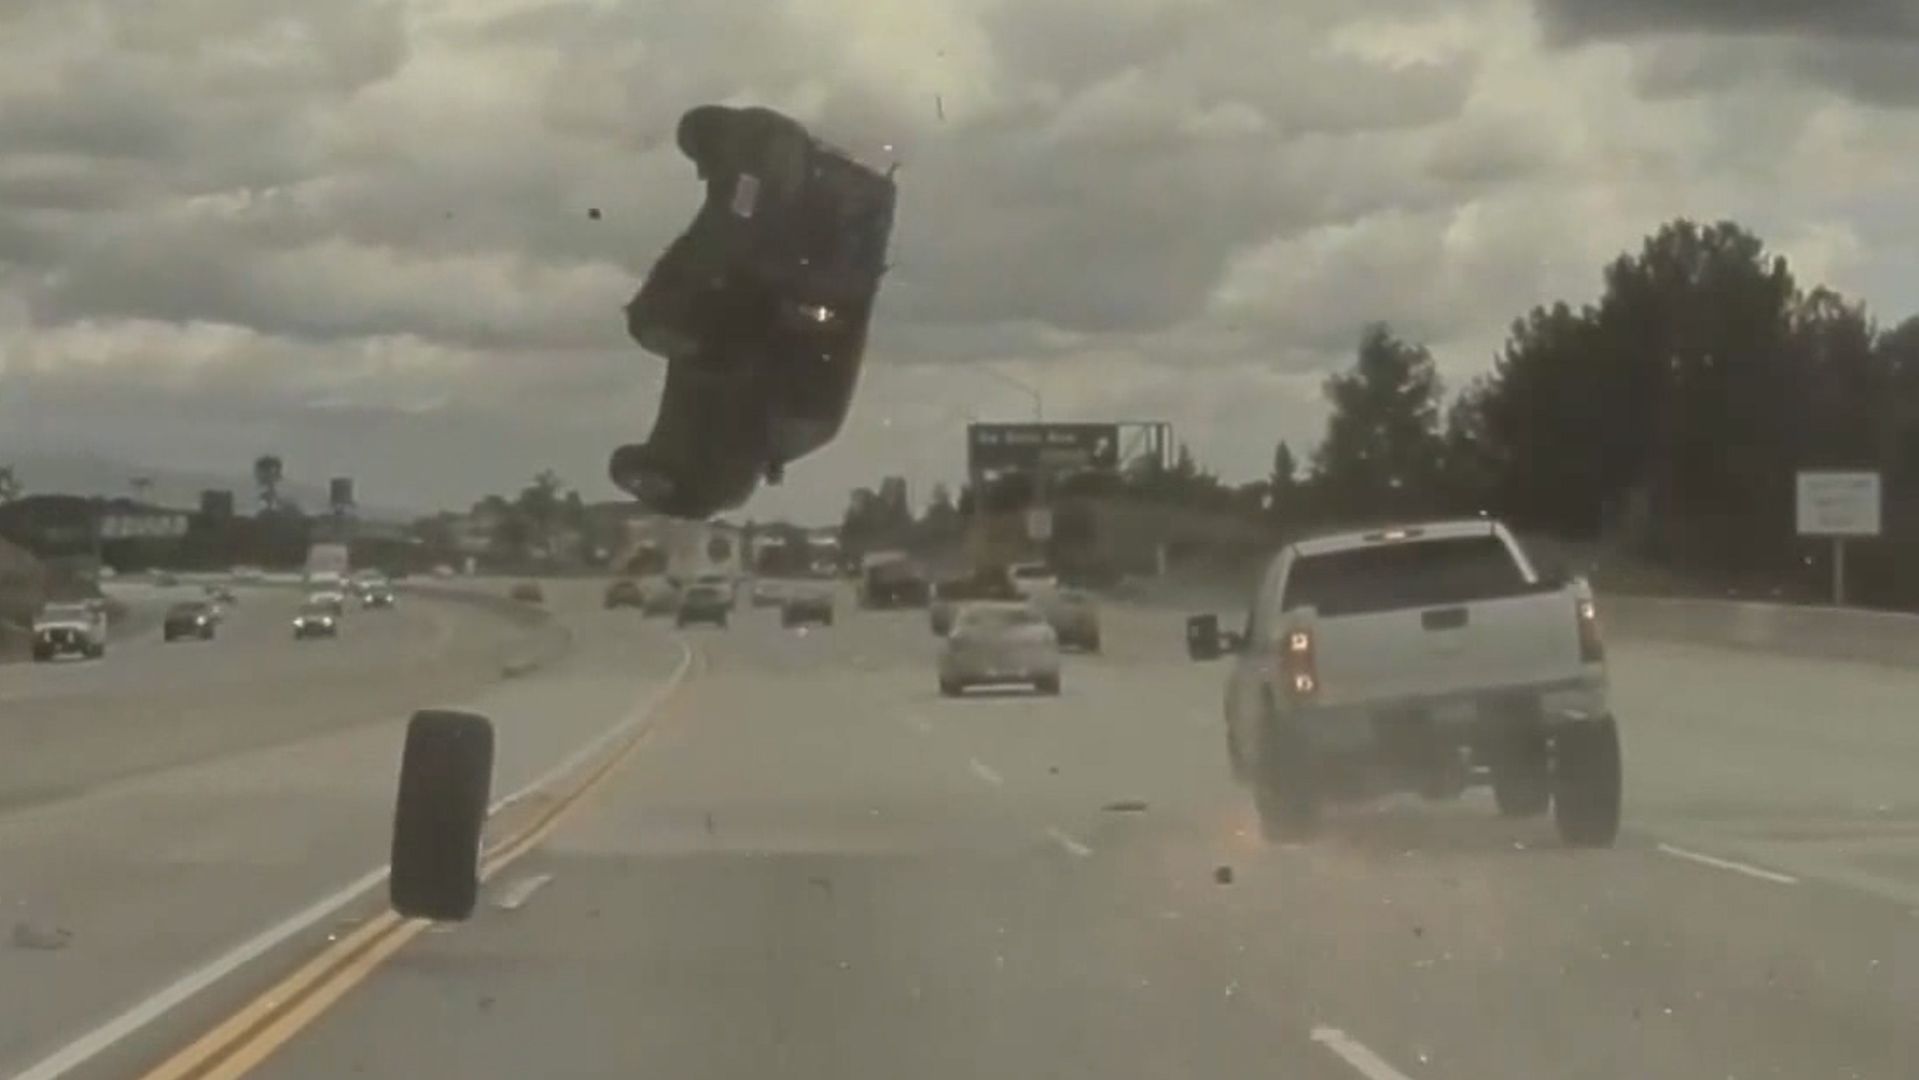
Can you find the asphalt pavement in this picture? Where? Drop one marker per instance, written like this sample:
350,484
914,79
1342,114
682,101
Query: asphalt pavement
816,867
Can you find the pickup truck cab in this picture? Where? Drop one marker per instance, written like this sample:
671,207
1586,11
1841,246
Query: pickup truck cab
1425,658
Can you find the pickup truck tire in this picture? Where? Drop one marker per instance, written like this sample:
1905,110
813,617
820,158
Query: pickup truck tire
951,687
1587,782
1283,785
446,775
1523,777
1047,685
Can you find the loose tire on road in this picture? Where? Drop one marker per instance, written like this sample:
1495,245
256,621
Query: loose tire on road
1284,791
1587,781
446,776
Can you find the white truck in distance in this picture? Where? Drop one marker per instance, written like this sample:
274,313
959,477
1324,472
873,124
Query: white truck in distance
1424,658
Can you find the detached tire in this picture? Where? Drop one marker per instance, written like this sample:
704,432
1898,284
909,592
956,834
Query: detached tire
1587,783
446,776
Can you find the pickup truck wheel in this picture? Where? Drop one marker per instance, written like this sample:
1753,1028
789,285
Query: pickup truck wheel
1587,780
1047,685
1284,791
446,775
950,688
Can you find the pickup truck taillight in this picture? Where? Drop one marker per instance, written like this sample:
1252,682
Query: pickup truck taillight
1297,665
1591,648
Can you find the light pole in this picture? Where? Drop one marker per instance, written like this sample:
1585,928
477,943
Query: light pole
1039,406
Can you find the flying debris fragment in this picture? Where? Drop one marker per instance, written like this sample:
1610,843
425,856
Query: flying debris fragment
761,310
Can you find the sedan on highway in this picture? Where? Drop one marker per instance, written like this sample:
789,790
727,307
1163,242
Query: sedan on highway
378,597
527,592
1074,615
704,604
999,643
807,606
332,601
192,620
624,593
316,620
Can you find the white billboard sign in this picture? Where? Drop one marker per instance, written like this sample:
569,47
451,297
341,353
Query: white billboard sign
1838,504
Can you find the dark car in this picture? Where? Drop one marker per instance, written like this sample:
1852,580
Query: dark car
704,604
527,592
377,597
191,620
625,593
811,606
316,620
761,309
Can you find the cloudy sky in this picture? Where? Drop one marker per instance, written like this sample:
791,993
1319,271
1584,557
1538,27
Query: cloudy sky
356,232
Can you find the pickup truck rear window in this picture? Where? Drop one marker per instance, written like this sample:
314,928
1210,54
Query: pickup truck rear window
1415,574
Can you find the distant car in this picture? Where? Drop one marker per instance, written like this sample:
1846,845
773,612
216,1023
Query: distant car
1034,579
1074,615
999,643
704,603
316,620
70,629
528,592
803,607
625,593
220,594
377,597
444,571
164,579
247,574
193,620
334,602
659,597
767,593
948,595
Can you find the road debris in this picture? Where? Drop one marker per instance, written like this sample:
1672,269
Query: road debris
44,938
1223,875
1125,806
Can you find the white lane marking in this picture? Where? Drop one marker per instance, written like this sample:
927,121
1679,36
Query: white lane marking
985,772
1074,847
1357,1054
91,1044
1716,862
515,896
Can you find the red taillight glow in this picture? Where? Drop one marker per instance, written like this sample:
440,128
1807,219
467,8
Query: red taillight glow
1591,648
1300,670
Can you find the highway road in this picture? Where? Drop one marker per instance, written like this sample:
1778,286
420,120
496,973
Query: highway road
813,866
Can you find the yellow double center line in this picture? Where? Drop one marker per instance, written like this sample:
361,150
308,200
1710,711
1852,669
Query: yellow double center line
262,1026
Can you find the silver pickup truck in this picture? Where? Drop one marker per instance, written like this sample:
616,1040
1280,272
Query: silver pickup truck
1424,658
70,629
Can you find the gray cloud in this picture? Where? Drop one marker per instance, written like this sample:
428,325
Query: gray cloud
1569,21
358,231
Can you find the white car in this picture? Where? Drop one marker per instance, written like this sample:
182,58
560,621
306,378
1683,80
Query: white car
999,643
1034,580
78,629
1424,658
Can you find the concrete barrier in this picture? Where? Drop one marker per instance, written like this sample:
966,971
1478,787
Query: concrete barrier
1824,633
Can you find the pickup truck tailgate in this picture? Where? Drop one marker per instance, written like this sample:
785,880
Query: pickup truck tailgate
1477,645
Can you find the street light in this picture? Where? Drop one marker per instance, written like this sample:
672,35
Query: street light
1039,407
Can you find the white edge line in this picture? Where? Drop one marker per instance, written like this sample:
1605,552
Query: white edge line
1703,859
1058,836
1357,1054
985,772
157,1004
516,895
